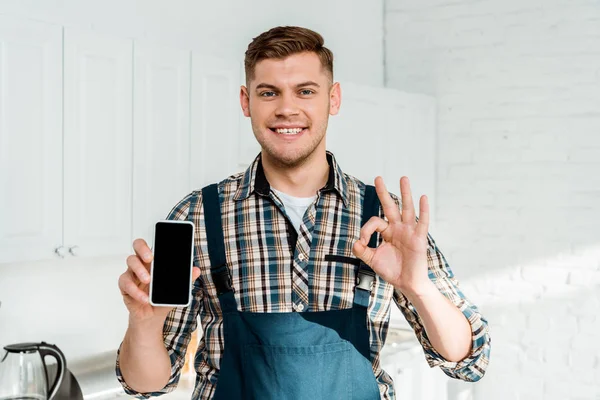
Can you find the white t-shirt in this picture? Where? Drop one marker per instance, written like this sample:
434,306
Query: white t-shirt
295,207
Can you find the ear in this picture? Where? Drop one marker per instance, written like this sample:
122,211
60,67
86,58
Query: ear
245,100
335,98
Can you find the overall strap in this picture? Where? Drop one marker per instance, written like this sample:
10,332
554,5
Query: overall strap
216,245
365,277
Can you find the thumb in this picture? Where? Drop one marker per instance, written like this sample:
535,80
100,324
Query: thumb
195,273
365,253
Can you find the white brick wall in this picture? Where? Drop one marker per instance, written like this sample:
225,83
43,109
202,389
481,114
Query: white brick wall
518,84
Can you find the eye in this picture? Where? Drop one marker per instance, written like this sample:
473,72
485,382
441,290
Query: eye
304,91
264,94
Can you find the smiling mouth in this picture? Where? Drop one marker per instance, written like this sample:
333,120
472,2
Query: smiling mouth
288,131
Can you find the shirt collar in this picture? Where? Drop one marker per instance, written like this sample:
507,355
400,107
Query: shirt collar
254,180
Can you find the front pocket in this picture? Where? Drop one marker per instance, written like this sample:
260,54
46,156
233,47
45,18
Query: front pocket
308,372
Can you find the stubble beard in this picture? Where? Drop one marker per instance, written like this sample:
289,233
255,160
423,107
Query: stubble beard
292,157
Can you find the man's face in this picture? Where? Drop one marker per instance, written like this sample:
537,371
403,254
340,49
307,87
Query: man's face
289,102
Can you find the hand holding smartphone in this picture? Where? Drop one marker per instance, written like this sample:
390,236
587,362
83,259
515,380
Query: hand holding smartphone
172,265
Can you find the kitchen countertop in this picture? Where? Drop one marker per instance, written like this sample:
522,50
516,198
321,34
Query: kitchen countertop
96,375
183,392
98,381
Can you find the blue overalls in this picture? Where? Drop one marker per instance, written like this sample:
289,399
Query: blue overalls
311,355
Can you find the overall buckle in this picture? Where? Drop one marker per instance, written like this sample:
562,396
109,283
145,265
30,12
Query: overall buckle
365,281
222,279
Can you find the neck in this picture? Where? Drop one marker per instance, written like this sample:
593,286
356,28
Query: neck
303,180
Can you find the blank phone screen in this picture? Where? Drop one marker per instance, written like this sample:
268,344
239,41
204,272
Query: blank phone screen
172,263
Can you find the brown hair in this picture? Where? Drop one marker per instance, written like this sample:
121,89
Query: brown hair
283,41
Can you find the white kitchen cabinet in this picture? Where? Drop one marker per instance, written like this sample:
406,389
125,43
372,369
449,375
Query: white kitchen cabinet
100,137
410,146
97,143
355,135
386,132
142,126
161,145
30,139
215,119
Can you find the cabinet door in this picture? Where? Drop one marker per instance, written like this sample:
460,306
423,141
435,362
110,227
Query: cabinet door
410,148
30,139
215,119
389,133
161,146
97,143
356,134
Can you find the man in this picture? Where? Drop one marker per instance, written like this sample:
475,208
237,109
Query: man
297,263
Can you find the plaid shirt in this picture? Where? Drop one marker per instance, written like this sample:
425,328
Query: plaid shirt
274,268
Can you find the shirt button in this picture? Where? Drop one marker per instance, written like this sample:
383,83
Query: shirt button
300,307
301,257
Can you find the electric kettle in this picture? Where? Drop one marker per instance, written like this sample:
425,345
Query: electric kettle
24,373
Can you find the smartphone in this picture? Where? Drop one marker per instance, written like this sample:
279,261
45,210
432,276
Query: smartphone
171,268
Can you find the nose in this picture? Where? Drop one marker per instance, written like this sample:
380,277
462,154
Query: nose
286,106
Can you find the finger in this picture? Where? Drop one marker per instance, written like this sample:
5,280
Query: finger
142,250
408,208
195,273
374,224
139,269
390,208
128,287
365,253
423,224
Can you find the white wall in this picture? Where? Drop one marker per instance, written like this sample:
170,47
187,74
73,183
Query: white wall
81,295
518,89
353,30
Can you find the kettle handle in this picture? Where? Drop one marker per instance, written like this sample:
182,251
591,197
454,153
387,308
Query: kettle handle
47,349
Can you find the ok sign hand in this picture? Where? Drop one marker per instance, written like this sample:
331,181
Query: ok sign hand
401,259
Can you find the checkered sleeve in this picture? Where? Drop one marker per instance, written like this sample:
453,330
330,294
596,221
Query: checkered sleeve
473,367
179,323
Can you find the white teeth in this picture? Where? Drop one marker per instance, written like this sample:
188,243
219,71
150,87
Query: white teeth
293,131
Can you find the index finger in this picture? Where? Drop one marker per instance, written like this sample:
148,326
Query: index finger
142,250
390,208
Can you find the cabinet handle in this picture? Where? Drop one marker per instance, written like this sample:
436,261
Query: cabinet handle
73,251
60,250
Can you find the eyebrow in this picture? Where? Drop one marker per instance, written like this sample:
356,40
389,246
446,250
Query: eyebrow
269,86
